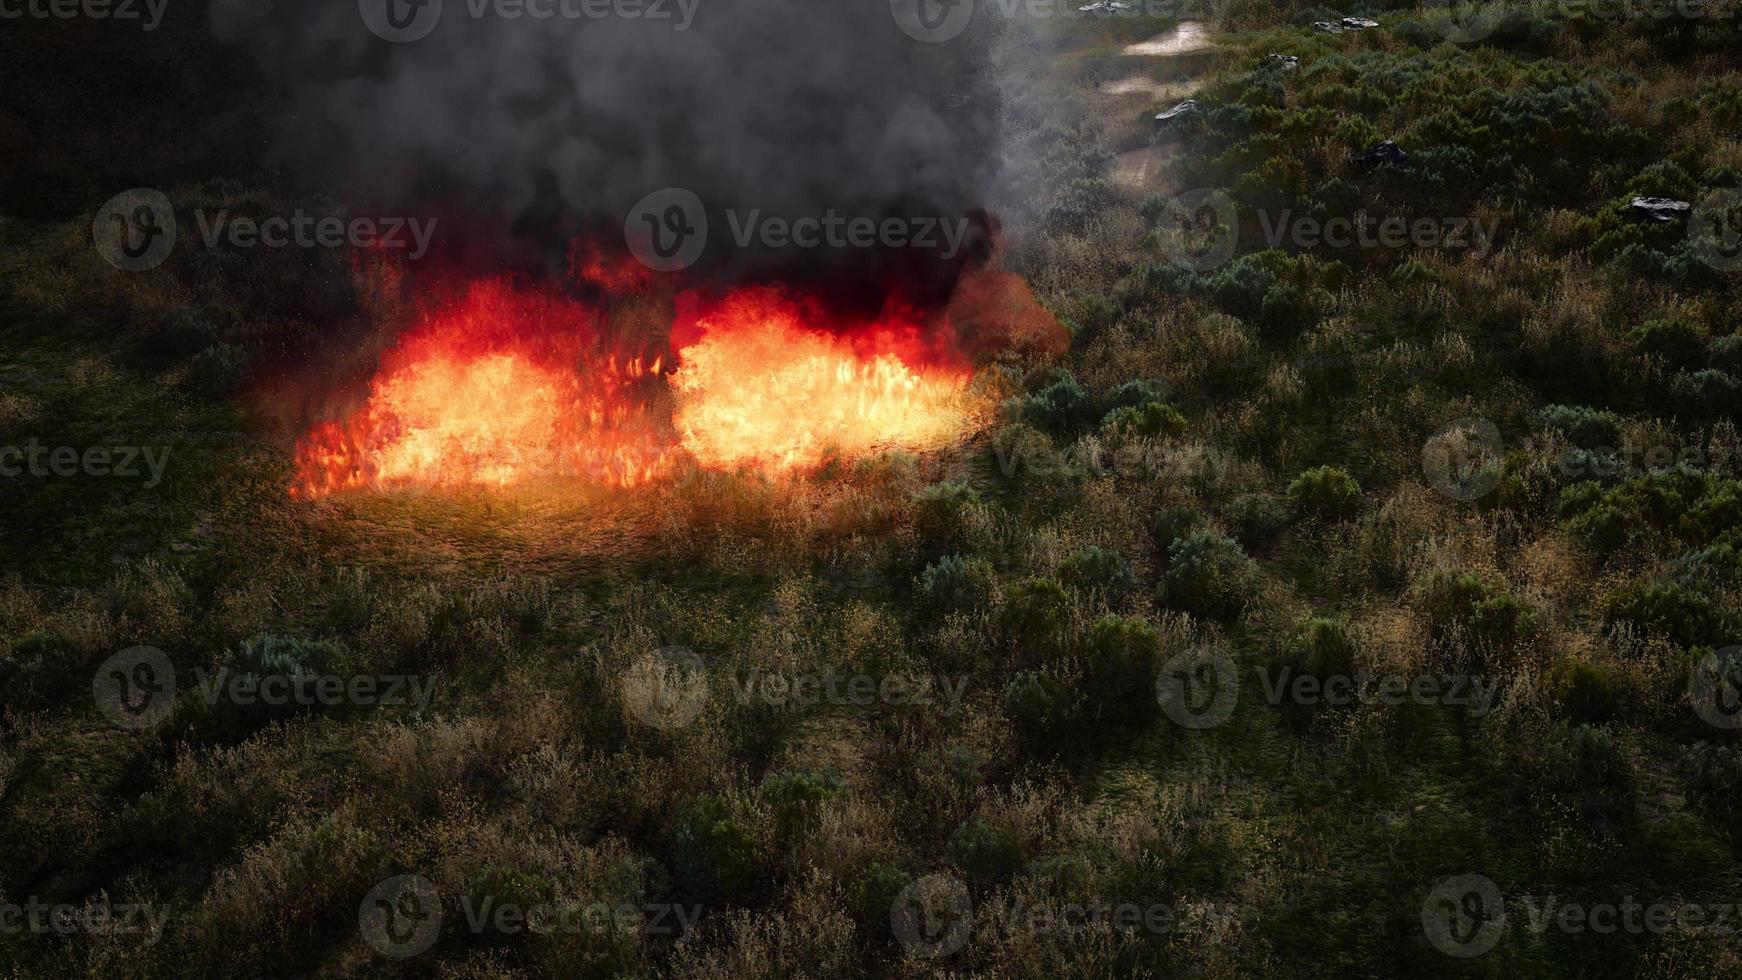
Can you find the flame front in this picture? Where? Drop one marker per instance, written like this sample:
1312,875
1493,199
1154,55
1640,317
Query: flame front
498,389
761,389
504,386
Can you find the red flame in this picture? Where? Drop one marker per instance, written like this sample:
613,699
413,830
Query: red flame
505,384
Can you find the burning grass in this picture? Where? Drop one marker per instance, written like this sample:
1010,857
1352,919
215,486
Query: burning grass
506,384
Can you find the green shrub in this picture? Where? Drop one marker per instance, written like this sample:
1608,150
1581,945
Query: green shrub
1468,617
796,799
1035,618
1713,568
1685,617
39,671
1118,658
987,852
942,511
1208,575
714,849
1676,342
1095,569
1173,523
1154,419
1323,648
1706,394
1327,492
1062,407
1725,354
1587,428
1589,694
1257,519
954,583
1039,705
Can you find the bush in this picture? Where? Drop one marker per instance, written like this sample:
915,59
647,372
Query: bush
1062,407
1324,648
1154,419
1173,523
1209,575
1036,615
954,583
1040,706
1686,618
987,852
796,799
1465,615
1134,394
1119,663
1257,519
942,511
39,671
1590,694
1327,492
1098,570
715,851
1676,342
1725,354
1706,394
1587,428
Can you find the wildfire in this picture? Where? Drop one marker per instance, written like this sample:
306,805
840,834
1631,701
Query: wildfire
497,389
760,388
506,385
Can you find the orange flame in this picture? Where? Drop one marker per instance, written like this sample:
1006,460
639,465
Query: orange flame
505,385
760,388
498,389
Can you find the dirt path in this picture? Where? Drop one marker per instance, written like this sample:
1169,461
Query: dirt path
1144,167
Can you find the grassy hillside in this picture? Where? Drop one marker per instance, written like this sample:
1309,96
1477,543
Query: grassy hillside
1505,467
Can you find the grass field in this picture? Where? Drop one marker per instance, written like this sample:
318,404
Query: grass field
1251,477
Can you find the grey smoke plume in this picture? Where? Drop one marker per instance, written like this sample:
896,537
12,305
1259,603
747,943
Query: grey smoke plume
790,106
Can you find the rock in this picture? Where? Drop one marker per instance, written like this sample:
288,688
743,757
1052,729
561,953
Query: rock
1103,7
1387,152
1660,209
1326,27
1358,24
1286,62
1184,112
